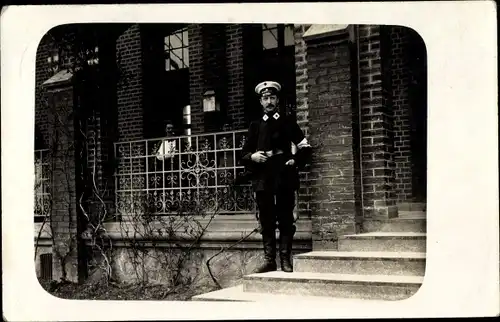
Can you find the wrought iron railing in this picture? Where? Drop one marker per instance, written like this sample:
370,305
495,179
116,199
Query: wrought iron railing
162,175
42,184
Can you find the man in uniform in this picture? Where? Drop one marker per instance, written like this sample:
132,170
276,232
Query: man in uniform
267,154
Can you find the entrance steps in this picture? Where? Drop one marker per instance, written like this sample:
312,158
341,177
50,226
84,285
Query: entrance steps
385,262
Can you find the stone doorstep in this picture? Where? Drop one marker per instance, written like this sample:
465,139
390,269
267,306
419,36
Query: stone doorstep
402,214
365,263
395,225
387,235
412,206
237,294
384,241
329,278
381,287
325,255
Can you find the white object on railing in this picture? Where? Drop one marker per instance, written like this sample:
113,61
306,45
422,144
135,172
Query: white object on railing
166,150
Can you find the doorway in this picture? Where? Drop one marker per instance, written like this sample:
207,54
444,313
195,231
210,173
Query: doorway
418,104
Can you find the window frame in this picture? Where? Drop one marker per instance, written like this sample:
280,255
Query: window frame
169,50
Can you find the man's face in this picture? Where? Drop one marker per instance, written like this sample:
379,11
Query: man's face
169,128
269,102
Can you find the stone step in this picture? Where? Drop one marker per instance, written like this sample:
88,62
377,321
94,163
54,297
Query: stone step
371,287
384,242
412,214
365,263
236,294
418,225
412,206
245,223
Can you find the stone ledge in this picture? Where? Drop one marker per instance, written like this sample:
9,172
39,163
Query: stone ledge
223,231
316,32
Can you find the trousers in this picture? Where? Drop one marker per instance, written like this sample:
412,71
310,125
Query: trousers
276,207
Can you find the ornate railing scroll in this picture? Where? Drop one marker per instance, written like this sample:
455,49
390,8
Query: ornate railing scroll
166,174
42,184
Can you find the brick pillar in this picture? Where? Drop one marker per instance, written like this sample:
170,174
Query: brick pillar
377,124
42,73
402,112
66,224
130,107
235,80
333,198
196,83
215,72
100,103
129,89
302,111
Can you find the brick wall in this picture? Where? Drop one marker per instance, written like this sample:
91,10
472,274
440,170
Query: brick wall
196,77
302,110
235,79
401,106
376,124
129,94
215,73
42,73
333,199
129,88
100,102
64,219
301,77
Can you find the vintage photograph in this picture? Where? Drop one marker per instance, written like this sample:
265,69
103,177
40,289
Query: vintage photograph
230,162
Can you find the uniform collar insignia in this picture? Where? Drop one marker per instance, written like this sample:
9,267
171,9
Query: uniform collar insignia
265,117
276,116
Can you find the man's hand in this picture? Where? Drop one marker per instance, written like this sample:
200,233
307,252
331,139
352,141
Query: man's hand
290,162
259,157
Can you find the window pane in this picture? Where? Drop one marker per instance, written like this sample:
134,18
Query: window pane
289,38
185,38
175,41
166,42
186,56
269,39
176,57
269,26
167,64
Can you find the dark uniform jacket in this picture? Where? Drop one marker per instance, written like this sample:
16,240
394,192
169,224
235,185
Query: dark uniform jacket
274,135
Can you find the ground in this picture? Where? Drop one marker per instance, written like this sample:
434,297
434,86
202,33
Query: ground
113,291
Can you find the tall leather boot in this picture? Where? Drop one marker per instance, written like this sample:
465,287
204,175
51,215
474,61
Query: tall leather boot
269,264
286,241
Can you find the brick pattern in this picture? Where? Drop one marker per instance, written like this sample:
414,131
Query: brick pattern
129,89
331,177
376,124
235,80
196,83
302,111
42,73
301,78
130,94
215,72
402,113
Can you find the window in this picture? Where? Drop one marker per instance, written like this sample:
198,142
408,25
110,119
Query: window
177,50
271,38
278,60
